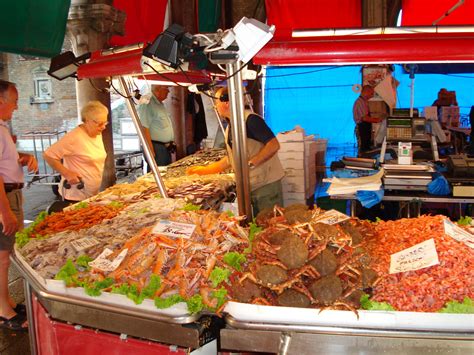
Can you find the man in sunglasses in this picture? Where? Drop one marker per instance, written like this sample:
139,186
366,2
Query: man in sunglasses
266,170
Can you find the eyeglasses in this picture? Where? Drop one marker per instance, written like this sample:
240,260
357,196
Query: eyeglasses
224,98
100,124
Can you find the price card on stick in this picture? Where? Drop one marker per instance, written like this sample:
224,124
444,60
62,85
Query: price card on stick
106,265
332,217
416,257
174,229
458,233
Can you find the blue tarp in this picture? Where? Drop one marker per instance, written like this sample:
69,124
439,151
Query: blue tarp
320,99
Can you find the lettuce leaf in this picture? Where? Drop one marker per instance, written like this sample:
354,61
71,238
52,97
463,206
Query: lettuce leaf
465,221
191,207
116,204
95,288
83,262
220,295
195,304
467,306
123,289
80,205
234,260
219,275
366,303
254,230
67,273
167,302
149,290
23,237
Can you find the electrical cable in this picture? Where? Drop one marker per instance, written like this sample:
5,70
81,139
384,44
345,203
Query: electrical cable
104,90
164,76
118,92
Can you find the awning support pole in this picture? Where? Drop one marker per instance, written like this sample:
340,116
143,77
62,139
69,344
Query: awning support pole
239,139
146,148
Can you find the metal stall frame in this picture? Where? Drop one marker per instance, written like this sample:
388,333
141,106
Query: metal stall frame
304,339
190,331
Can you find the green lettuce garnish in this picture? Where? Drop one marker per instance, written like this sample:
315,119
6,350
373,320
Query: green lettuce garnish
191,207
149,290
466,307
220,295
230,213
83,262
219,275
95,288
80,205
67,273
253,231
367,304
234,260
465,221
195,304
167,302
23,237
116,204
123,289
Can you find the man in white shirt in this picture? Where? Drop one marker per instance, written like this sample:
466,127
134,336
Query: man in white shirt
12,316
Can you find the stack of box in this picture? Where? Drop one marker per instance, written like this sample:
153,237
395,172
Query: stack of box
449,116
298,156
431,113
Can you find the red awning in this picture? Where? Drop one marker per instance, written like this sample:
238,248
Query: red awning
129,62
425,12
289,15
367,49
145,20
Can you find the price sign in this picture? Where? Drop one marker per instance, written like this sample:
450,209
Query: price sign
417,257
106,265
332,217
174,229
458,233
84,243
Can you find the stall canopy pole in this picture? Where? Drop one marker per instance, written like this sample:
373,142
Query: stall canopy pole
239,141
146,148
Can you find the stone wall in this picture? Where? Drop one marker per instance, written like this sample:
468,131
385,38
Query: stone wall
52,106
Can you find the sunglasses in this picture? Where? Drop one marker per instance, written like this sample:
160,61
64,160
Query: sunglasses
224,98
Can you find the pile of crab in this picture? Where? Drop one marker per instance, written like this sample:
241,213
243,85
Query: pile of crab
297,261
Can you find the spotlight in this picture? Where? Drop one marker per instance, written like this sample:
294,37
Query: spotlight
65,65
171,46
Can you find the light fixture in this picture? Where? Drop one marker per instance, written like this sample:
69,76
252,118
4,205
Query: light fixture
65,65
171,46
251,35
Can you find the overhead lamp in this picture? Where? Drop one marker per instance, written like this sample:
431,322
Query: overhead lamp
65,65
171,46
251,36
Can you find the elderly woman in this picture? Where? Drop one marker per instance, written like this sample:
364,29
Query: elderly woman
79,156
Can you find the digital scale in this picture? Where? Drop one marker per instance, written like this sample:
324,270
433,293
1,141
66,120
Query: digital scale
407,177
461,175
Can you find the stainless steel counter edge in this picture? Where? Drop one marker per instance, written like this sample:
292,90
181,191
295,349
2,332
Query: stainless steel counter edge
234,323
43,293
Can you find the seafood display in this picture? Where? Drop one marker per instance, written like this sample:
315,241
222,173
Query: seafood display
202,157
47,255
428,289
297,261
168,269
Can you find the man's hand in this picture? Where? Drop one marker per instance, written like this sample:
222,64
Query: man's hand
198,170
72,177
29,161
9,222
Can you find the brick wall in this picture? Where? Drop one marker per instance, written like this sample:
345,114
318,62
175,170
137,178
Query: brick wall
59,113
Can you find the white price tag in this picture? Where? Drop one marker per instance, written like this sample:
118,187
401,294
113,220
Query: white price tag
174,229
458,233
106,265
84,243
230,206
332,217
416,257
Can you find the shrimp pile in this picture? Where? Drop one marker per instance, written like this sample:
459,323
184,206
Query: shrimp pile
428,289
75,219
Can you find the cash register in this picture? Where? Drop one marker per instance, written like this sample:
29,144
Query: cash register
461,175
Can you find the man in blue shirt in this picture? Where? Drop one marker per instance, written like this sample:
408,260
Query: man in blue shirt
158,127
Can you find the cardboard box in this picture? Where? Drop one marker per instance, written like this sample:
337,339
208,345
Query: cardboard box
290,201
291,136
292,147
431,113
290,156
292,164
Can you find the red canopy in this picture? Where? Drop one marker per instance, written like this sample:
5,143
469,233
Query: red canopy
425,12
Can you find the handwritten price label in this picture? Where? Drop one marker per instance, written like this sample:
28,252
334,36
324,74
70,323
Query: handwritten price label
332,217
458,233
174,229
417,257
104,264
84,243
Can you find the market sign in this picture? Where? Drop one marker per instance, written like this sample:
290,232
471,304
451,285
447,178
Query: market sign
33,27
417,257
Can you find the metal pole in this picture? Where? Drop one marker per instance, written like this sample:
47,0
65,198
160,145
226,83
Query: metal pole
239,139
141,137
30,316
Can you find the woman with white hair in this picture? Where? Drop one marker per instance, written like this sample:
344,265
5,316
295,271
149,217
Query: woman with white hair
79,156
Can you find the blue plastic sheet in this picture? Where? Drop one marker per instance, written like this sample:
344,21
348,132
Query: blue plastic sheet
439,186
369,199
